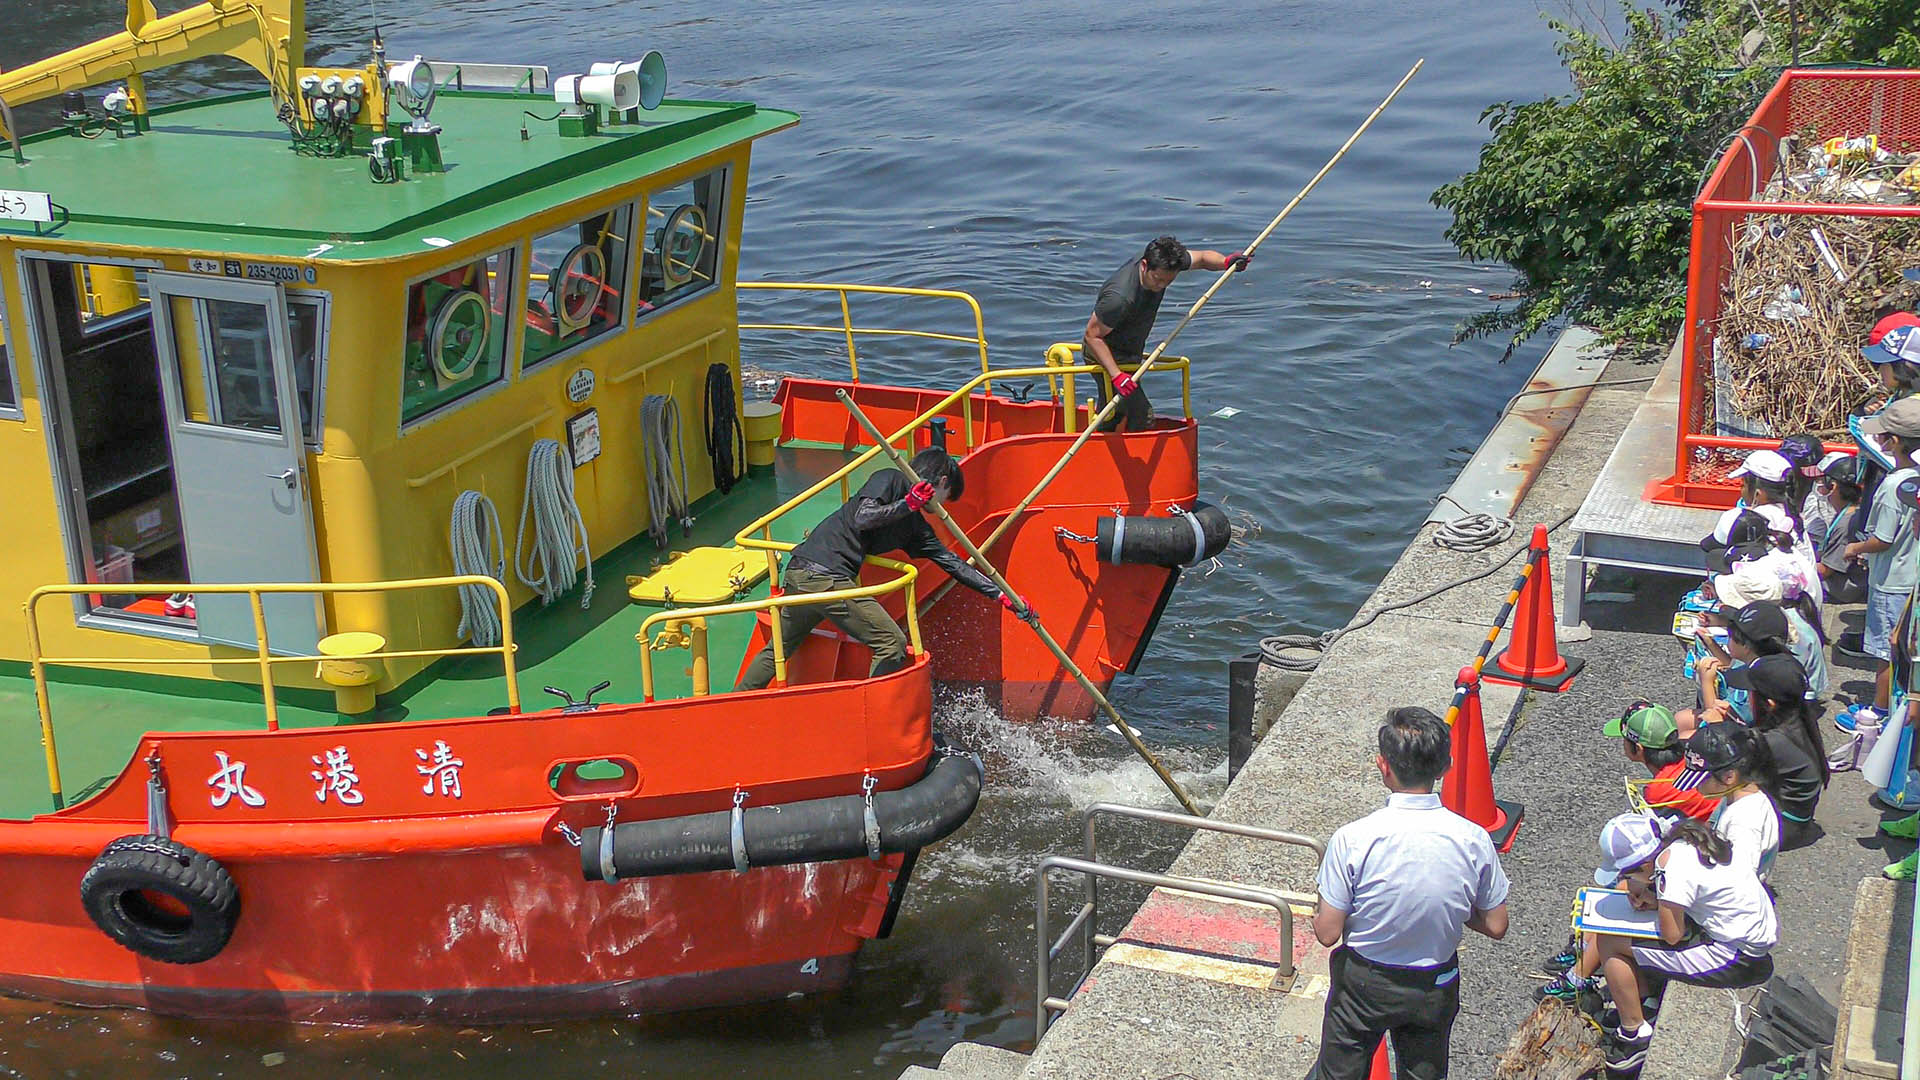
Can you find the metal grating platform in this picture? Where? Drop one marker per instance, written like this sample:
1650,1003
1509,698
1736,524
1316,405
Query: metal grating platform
1617,525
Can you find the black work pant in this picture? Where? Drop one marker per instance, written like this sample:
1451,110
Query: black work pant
1416,1006
1135,412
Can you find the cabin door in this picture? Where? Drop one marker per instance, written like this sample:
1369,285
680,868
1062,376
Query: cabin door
239,459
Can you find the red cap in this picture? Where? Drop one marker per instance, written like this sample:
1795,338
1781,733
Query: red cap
1892,322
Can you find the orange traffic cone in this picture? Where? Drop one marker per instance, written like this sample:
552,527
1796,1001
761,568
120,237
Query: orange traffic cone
1532,657
1382,1067
1467,789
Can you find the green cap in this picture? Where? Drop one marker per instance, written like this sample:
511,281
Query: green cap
1652,726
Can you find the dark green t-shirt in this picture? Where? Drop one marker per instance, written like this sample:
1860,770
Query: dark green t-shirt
1127,308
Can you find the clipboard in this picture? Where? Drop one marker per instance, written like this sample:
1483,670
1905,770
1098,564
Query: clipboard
1609,911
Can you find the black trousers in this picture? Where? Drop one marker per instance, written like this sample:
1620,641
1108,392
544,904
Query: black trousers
1365,1001
1135,412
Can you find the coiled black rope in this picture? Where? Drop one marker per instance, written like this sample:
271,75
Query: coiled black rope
726,442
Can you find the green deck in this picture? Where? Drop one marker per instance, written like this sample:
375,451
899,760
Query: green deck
271,201
99,717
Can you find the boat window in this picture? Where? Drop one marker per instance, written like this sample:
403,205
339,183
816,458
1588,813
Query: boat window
9,395
306,319
456,334
111,296
576,284
682,252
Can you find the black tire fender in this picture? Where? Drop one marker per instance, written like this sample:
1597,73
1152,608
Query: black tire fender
198,904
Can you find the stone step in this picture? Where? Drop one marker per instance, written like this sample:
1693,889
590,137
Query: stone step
978,1061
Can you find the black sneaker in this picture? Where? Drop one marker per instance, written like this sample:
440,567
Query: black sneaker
1626,1053
1566,987
1561,961
1852,645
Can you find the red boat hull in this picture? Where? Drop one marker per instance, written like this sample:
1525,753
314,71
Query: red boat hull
416,900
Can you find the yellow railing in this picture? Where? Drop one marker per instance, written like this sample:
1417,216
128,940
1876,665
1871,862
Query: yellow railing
697,616
850,331
1061,355
262,657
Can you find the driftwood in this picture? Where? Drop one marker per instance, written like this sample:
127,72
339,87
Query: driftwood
1555,1042
1792,323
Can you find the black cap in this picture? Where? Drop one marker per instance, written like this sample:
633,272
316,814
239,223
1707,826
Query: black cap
1802,450
1715,748
1760,620
1777,678
1845,469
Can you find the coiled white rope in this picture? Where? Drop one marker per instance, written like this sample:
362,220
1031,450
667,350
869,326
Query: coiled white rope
556,517
478,548
660,440
1472,530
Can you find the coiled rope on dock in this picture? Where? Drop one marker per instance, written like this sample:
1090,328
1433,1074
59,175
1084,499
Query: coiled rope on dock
1303,652
478,548
550,566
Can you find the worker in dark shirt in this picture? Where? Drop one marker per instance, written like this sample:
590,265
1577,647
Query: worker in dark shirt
885,515
1123,316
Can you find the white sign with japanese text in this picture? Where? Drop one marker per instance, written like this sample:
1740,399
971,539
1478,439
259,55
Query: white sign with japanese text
26,206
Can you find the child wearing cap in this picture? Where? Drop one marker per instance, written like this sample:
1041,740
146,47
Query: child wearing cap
1727,762
1688,875
1649,735
1785,720
1804,452
1760,624
1842,579
1893,348
1888,547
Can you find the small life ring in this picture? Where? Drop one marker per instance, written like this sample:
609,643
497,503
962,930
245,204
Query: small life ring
683,242
161,899
460,327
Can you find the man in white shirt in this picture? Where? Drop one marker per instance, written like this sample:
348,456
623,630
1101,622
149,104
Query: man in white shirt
1397,887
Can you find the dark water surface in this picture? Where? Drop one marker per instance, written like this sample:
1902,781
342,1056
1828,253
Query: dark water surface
1019,151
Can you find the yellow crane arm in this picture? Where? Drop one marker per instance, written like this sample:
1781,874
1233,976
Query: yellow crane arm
268,35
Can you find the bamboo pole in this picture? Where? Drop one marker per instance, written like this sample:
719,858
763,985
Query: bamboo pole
1113,400
1132,737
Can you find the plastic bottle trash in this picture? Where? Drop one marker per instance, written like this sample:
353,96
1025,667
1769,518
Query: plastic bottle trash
1757,341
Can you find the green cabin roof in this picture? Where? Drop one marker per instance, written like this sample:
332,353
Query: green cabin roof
223,175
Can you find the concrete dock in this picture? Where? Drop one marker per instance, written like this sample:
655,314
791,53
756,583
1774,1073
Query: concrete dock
1206,1006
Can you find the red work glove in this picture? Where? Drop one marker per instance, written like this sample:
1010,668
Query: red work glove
1238,261
1020,611
1124,384
919,495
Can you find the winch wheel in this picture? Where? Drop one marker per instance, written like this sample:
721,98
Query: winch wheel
161,899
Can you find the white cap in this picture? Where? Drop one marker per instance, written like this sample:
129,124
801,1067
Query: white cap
1748,582
1626,842
1768,465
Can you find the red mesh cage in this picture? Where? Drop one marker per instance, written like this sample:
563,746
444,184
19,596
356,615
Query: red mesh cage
1816,105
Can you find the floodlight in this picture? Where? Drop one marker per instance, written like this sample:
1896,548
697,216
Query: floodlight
330,86
413,84
116,102
355,87
310,85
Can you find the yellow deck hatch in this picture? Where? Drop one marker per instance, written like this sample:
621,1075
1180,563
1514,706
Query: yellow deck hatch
705,575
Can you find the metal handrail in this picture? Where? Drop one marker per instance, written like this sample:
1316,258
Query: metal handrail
1061,354
847,328
1088,915
906,580
1045,1003
39,660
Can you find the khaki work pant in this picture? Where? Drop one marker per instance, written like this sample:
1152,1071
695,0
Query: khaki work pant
863,620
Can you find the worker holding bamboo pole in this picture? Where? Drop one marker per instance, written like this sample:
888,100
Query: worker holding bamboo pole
886,514
1123,317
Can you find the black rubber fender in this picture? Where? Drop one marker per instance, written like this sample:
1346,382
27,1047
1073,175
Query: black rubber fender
1175,540
817,830
118,891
